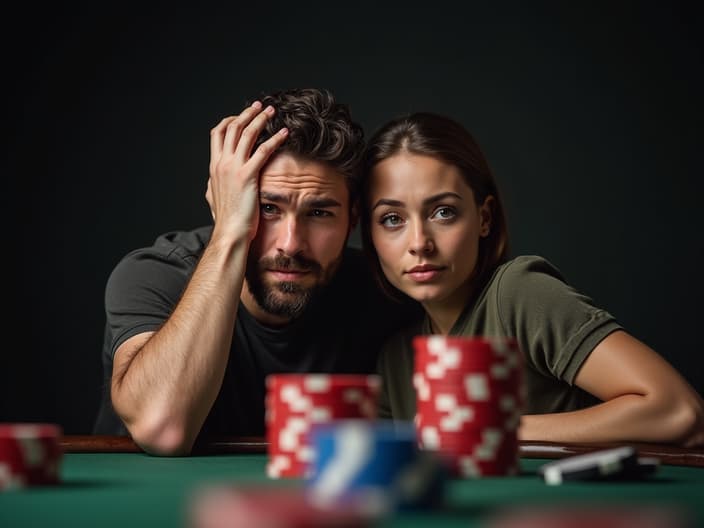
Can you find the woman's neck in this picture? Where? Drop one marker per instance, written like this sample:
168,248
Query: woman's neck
443,313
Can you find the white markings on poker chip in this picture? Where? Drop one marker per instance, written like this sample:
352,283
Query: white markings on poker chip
507,403
499,371
305,453
296,400
499,346
352,395
468,467
317,383
10,481
447,357
289,435
491,440
277,464
422,386
320,414
477,387
33,451
456,414
430,437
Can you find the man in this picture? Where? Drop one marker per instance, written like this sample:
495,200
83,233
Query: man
197,321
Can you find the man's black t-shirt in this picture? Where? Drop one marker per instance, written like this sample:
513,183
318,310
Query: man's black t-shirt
341,331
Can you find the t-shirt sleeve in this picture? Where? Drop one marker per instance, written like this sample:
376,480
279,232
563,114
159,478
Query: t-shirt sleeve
556,325
142,290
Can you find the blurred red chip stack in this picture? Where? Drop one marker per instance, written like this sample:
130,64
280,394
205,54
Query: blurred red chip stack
295,402
222,506
30,455
469,400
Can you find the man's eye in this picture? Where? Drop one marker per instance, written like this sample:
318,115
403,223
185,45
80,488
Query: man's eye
320,213
269,209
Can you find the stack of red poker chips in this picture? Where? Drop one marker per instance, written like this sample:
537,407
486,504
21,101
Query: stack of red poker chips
295,402
469,400
30,455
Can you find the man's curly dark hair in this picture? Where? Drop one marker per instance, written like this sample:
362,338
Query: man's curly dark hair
320,129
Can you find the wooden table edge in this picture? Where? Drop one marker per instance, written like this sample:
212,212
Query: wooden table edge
667,454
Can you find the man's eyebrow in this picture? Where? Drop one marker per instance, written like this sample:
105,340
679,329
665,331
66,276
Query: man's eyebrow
427,201
272,197
316,203
321,203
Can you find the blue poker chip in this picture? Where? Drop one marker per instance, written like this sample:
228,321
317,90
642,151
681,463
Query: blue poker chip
375,466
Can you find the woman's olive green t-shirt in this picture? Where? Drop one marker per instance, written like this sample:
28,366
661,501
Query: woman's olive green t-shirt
528,299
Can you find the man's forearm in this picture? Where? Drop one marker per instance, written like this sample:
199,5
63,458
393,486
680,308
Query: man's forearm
165,389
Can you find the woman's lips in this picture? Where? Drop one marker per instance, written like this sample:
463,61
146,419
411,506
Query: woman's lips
424,273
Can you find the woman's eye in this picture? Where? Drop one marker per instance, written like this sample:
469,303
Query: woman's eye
391,220
444,213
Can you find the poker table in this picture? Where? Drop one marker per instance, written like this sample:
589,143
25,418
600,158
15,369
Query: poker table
109,481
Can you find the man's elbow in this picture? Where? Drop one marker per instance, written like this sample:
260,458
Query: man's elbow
155,432
162,440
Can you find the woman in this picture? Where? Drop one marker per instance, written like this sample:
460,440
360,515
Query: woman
434,225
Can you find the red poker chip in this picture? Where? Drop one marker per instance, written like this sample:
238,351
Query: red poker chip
468,460
263,507
466,417
473,386
323,383
446,371
467,441
296,402
280,465
30,454
455,352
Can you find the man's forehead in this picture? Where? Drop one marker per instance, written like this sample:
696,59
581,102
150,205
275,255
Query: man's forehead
286,173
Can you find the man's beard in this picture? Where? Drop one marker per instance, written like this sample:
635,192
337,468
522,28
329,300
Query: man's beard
286,298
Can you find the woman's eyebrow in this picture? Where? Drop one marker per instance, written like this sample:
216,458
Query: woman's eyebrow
431,199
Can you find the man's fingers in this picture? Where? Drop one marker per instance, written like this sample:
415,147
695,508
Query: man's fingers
217,136
264,151
249,135
234,128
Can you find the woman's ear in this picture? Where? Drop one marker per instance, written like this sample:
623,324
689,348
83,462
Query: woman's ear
485,216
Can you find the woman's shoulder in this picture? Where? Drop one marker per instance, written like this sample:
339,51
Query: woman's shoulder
526,269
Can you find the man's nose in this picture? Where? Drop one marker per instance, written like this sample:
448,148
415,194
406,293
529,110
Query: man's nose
292,236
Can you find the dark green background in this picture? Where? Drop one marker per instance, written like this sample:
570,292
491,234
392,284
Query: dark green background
590,113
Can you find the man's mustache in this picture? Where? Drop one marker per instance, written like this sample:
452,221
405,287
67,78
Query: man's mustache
290,263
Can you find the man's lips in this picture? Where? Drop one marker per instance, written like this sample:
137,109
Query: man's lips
287,273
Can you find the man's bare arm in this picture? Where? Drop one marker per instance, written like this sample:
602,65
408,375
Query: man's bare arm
164,383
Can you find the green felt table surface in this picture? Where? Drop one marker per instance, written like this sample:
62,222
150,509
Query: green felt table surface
132,490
